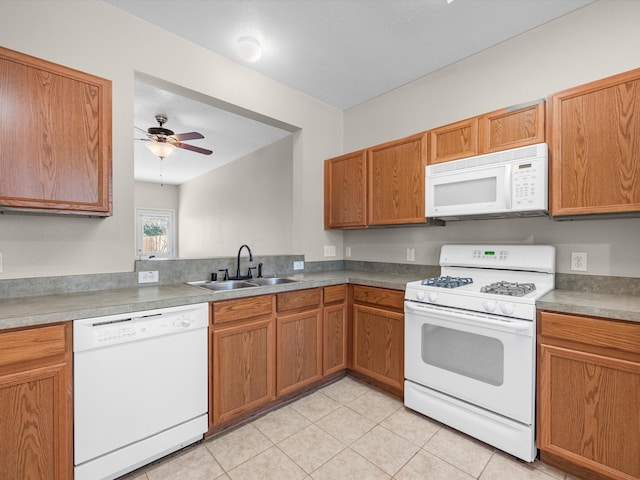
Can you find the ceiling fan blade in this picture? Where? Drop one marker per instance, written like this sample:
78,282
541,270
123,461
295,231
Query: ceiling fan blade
187,136
185,146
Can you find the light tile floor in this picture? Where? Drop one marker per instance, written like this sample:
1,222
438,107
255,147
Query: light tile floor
346,430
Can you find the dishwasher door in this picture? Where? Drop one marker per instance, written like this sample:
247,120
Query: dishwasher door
140,385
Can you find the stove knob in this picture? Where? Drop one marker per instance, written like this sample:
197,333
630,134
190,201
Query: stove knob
507,308
433,297
420,295
489,305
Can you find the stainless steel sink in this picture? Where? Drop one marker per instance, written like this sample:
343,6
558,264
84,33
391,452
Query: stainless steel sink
272,280
224,285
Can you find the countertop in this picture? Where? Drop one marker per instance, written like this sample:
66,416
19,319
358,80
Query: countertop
620,307
39,310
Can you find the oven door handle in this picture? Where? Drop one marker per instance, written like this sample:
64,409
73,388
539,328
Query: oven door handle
515,326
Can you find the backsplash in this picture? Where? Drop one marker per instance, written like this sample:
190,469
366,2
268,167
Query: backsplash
188,270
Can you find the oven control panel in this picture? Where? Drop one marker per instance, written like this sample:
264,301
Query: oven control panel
501,255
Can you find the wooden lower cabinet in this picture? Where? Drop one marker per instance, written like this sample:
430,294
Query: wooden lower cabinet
589,395
335,349
298,339
378,335
36,403
242,375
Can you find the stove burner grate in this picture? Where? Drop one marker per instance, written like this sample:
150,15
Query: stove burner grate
513,289
447,282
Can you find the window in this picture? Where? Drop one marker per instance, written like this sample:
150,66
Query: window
155,234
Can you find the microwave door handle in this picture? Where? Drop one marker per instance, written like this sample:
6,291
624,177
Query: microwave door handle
507,186
480,320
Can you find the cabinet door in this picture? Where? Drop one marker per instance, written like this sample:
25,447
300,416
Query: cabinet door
453,141
298,350
588,411
335,348
594,142
345,194
396,181
35,403
378,345
243,376
56,137
509,128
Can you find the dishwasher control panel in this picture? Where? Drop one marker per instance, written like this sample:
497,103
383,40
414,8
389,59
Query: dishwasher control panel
129,327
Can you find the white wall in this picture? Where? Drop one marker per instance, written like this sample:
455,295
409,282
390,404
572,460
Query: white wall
599,40
154,195
95,37
247,201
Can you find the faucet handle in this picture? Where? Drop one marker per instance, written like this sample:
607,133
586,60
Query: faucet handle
226,273
249,274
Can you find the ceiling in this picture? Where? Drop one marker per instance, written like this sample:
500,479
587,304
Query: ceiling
341,52
230,135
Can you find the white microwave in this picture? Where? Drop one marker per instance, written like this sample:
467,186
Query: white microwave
496,185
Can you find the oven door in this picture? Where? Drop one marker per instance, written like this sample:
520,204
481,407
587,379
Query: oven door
485,360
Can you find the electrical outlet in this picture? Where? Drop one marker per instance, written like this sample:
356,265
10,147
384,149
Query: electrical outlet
298,265
329,250
347,252
148,277
411,254
579,261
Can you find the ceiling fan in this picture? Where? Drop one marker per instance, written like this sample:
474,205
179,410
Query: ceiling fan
162,141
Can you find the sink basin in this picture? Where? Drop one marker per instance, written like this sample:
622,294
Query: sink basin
224,285
272,280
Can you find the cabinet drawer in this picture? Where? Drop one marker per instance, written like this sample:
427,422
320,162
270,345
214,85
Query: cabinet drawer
299,299
335,293
33,344
379,296
615,336
241,309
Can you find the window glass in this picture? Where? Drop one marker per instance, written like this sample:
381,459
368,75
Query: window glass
154,234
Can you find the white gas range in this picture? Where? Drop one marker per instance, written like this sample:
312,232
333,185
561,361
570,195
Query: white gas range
470,341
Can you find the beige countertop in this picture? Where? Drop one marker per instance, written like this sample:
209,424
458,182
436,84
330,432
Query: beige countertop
39,310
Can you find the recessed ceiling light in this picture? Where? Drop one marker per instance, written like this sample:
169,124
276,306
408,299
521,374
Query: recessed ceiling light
249,49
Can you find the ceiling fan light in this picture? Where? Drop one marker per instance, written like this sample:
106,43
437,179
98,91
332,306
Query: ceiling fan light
249,49
161,149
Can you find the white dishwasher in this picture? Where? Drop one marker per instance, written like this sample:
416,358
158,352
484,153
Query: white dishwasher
140,388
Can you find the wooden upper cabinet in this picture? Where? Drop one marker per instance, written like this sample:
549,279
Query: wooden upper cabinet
55,133
453,141
502,129
345,193
511,128
594,139
395,181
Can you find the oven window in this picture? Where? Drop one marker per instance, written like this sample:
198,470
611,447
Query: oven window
481,190
469,354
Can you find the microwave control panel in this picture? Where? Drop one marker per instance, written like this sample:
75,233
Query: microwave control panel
528,184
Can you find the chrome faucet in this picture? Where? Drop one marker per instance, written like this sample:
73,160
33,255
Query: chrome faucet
250,260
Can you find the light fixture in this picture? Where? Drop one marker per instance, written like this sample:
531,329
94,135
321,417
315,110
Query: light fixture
249,49
161,149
